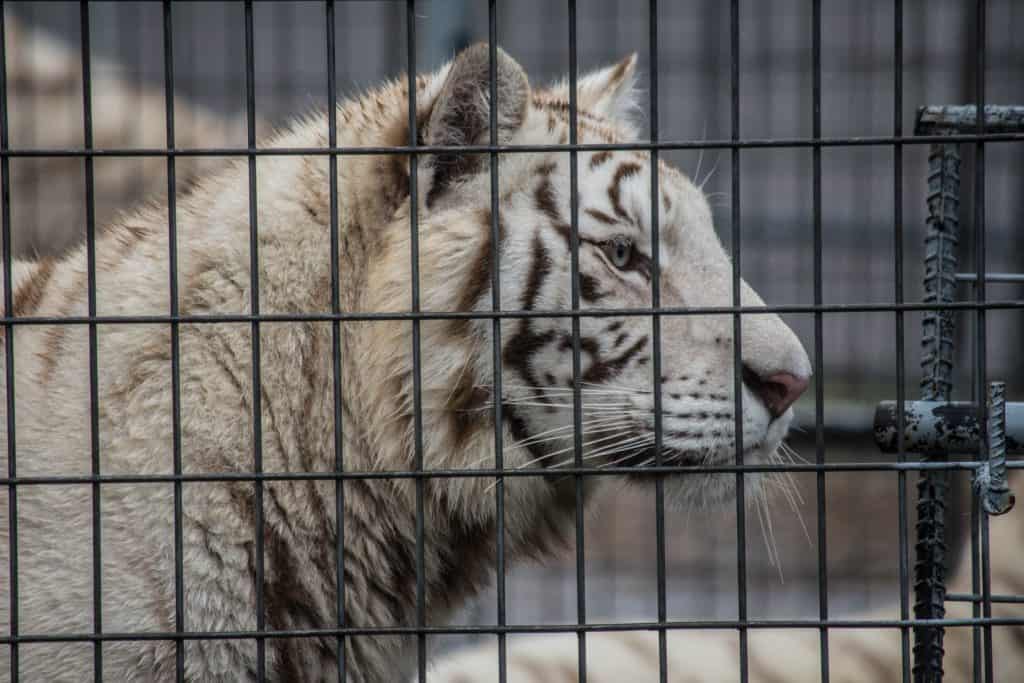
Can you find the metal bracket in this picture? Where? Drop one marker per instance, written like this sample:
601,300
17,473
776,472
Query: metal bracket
940,427
931,427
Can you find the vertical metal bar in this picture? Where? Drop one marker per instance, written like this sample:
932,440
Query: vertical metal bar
901,476
737,348
975,549
339,436
172,259
659,482
12,470
421,607
496,389
90,250
936,385
819,363
577,407
254,305
980,350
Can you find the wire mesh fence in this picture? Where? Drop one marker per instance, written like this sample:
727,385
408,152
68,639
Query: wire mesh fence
795,156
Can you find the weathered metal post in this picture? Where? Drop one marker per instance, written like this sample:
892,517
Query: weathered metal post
940,282
941,243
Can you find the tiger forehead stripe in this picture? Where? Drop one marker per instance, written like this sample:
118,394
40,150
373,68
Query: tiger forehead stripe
480,275
600,216
599,158
626,170
544,198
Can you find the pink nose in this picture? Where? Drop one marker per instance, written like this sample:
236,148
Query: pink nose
778,391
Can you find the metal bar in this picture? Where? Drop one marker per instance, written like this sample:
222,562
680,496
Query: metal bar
172,262
12,470
648,471
940,119
659,482
1001,278
737,331
819,351
339,440
577,407
504,314
937,427
417,366
751,143
936,385
254,305
980,343
592,627
977,597
496,390
940,265
94,381
901,476
974,554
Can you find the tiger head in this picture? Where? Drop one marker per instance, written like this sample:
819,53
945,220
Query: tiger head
613,191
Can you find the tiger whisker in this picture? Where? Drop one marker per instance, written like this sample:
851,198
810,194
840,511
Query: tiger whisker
585,444
640,441
599,421
597,388
700,156
629,455
623,387
559,465
603,427
791,492
587,400
718,157
635,444
586,407
764,515
590,426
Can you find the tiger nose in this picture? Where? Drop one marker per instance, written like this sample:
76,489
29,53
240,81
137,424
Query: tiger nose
778,390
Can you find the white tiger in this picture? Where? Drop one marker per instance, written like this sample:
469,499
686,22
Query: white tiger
296,408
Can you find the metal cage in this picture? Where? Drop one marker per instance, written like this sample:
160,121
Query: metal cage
920,633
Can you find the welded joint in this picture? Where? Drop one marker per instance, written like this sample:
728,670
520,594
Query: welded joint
990,482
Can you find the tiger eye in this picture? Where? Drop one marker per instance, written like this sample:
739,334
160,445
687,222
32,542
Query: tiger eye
620,252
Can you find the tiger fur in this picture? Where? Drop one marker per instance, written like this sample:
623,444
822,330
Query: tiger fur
296,406
856,655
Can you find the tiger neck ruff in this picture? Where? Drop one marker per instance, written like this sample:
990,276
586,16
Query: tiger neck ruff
297,406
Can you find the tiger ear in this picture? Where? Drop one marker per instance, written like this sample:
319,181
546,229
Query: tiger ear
461,113
609,92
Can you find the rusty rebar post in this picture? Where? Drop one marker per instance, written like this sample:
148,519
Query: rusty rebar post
936,385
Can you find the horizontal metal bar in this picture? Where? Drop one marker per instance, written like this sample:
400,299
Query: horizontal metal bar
974,597
954,118
511,149
704,625
938,427
991,277
58,480
490,315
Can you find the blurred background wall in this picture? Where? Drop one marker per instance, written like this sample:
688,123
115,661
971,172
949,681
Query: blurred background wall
694,66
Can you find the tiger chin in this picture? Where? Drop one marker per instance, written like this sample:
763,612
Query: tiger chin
382,385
